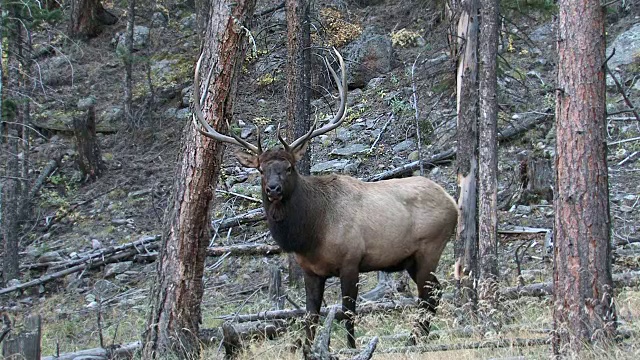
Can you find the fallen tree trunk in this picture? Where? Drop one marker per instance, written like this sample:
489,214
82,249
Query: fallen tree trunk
249,217
244,250
46,171
125,252
486,344
244,331
113,352
295,313
506,134
631,278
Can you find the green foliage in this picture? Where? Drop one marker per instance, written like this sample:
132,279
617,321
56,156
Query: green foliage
426,131
399,106
31,13
546,7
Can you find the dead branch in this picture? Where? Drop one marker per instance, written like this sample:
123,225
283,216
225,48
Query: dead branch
623,141
510,229
367,353
623,92
320,348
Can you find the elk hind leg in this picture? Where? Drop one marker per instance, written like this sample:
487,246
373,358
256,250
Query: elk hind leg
349,287
429,297
429,293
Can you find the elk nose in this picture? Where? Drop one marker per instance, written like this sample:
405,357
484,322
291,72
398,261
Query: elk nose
274,190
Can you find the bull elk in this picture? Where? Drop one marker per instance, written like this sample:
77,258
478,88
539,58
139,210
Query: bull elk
340,226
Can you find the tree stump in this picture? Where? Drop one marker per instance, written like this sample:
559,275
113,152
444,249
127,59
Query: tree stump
89,156
26,344
275,287
536,178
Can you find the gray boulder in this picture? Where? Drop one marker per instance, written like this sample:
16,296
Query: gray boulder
368,57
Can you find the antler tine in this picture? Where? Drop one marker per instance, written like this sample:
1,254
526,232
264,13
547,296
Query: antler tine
284,143
341,82
209,131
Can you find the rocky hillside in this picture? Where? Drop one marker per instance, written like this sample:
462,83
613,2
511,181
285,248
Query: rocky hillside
401,108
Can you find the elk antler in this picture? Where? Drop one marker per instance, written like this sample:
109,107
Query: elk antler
341,82
209,131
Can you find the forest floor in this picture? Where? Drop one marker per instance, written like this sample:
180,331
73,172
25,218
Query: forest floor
128,201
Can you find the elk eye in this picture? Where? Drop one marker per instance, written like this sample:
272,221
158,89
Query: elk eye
289,170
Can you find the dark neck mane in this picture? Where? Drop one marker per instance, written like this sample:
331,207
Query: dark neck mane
297,222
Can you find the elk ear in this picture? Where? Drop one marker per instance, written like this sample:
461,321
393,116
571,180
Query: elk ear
298,152
247,160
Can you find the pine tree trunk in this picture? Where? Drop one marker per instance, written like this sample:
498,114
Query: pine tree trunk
488,162
584,312
466,245
87,18
298,92
175,315
13,185
128,61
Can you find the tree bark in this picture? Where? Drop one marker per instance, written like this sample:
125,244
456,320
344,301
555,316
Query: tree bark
298,93
128,64
466,244
488,163
175,315
89,155
87,18
14,113
584,313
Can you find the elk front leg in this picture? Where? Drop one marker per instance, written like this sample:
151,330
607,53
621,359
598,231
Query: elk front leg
314,289
349,285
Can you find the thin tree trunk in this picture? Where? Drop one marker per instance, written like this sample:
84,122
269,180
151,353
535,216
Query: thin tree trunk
488,163
584,312
466,245
128,64
174,319
13,185
298,92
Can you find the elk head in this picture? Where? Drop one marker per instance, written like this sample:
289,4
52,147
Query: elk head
276,166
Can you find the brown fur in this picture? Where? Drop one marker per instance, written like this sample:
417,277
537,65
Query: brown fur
340,226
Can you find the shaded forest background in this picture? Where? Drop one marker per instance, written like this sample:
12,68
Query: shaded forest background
78,210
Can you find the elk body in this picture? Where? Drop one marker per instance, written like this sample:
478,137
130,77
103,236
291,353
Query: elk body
340,226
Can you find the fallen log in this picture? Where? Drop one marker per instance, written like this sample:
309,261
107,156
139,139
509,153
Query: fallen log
245,331
249,217
125,252
505,134
244,250
631,278
486,344
50,277
295,313
112,352
51,166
